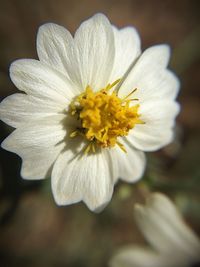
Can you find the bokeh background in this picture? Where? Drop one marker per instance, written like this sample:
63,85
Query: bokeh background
34,232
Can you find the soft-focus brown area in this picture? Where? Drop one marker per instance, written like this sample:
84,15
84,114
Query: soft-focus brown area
34,231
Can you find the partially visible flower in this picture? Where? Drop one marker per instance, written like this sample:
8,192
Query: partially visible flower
173,243
90,106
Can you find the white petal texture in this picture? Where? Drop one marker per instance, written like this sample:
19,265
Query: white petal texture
76,117
19,109
134,256
76,177
39,80
38,144
173,243
164,228
54,47
86,59
158,128
94,52
127,50
156,89
128,166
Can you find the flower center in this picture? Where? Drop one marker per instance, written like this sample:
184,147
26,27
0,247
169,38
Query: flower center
104,116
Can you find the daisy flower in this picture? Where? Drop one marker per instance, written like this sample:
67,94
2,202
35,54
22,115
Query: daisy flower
173,243
89,108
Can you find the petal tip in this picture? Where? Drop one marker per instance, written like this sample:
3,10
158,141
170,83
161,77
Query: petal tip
99,205
5,145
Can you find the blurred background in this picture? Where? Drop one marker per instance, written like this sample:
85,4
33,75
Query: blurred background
35,232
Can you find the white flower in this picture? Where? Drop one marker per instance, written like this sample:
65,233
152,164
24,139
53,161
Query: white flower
173,243
92,93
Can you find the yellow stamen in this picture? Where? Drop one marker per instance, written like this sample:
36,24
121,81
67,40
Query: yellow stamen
104,117
121,146
73,134
114,83
88,148
133,91
134,99
93,148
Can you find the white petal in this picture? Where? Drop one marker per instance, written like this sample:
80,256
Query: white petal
157,54
127,166
141,257
150,77
19,109
164,229
39,80
38,144
94,49
153,230
163,206
157,83
159,117
77,177
55,46
154,83
127,49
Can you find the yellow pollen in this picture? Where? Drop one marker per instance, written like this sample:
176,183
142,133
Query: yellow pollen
104,117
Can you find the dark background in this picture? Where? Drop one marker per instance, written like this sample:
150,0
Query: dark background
35,232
